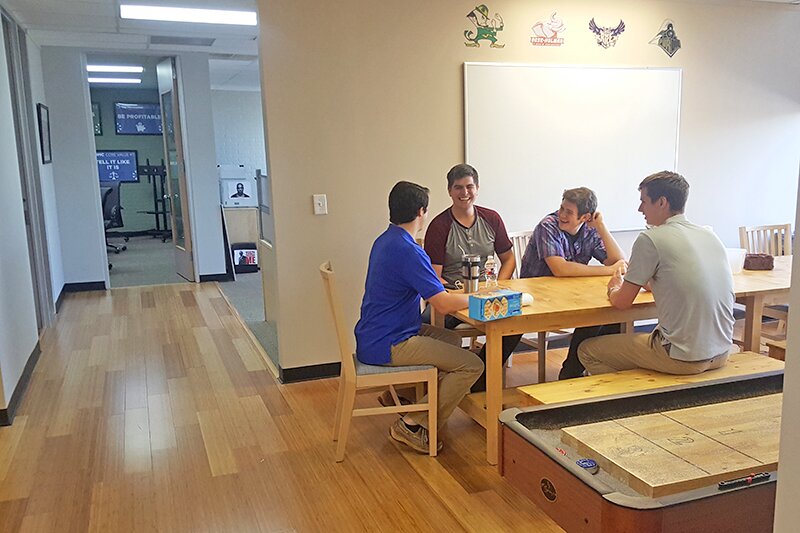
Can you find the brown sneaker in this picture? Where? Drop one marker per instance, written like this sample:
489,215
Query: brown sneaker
418,440
386,400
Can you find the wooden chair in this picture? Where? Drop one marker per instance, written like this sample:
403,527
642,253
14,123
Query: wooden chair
357,376
520,240
773,240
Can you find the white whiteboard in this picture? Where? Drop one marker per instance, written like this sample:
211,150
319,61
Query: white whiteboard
533,131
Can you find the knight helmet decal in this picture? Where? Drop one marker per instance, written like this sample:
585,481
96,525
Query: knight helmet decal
606,37
485,29
666,39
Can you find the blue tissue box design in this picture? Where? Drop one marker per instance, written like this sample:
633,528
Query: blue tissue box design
500,303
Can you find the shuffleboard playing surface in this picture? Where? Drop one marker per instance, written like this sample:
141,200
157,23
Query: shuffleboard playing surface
672,451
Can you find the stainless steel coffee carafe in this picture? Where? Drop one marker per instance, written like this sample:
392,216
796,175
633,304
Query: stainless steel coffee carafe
471,272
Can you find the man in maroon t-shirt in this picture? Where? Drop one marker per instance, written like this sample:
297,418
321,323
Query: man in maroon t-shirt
465,228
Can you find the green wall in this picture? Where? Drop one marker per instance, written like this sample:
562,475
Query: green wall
134,197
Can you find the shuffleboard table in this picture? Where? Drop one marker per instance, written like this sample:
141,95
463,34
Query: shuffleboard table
660,458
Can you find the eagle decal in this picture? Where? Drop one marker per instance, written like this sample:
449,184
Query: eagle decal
606,37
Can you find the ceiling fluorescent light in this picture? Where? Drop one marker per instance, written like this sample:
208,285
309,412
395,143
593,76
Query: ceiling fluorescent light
115,80
114,68
187,14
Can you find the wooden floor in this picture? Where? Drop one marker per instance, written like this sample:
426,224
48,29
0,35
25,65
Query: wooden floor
151,410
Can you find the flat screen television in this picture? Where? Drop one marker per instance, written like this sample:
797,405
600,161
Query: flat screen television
118,165
137,119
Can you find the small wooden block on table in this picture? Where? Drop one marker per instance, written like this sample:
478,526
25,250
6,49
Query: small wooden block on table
640,379
665,453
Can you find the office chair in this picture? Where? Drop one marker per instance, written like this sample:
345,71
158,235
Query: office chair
112,212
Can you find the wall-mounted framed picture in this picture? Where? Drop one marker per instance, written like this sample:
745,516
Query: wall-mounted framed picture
96,120
44,133
137,119
118,165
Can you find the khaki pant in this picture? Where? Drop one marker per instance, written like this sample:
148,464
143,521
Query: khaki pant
458,368
612,353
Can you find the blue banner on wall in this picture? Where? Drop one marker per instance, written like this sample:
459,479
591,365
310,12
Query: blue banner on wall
137,119
117,165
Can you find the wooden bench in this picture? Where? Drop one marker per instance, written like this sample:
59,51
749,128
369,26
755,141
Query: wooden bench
740,364
777,349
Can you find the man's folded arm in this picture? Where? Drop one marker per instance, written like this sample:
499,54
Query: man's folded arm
446,303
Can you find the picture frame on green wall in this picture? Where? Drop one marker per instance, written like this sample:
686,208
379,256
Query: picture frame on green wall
43,114
96,120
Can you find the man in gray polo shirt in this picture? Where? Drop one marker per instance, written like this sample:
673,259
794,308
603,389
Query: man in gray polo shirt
686,267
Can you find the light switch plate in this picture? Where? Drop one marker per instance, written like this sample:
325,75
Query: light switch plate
320,204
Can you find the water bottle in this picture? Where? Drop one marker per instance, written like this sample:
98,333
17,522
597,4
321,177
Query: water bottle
491,272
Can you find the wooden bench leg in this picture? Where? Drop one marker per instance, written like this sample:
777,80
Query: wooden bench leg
542,350
776,352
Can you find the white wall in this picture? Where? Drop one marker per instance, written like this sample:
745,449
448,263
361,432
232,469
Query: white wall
74,167
239,137
201,167
351,119
18,333
49,202
740,120
239,129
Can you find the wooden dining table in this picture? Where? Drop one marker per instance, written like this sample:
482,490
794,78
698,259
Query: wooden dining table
575,302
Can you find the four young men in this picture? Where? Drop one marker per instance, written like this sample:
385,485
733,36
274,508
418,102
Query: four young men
685,266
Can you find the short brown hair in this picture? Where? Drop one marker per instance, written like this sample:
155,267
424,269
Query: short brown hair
585,199
405,201
460,172
670,185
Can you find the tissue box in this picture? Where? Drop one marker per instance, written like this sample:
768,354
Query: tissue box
500,303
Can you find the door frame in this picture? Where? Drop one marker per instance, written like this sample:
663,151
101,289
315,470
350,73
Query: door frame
30,176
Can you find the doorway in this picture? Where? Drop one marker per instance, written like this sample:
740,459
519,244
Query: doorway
15,41
131,162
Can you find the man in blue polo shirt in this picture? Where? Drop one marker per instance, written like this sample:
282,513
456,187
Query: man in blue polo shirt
390,330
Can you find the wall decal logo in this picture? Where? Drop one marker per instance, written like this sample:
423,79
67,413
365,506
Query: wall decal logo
545,33
485,28
606,37
666,39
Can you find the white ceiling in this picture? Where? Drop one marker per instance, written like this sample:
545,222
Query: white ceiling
95,25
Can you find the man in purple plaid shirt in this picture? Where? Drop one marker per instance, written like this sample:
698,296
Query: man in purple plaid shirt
562,245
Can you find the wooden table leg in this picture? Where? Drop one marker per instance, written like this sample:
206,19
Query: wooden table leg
494,392
754,308
542,349
626,327
437,319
